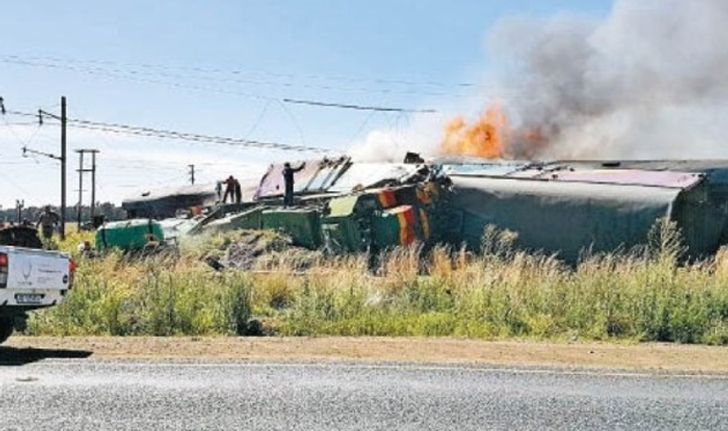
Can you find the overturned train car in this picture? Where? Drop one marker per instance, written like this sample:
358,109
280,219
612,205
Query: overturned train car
565,208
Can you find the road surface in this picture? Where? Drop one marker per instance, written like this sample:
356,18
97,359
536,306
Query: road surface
74,394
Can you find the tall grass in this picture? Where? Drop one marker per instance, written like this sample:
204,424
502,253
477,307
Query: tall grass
644,294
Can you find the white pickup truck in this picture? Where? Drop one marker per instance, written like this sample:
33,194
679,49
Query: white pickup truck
30,279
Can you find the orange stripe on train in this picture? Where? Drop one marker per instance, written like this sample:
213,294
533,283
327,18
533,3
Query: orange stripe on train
387,198
407,233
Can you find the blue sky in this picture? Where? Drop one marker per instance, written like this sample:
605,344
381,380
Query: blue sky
105,55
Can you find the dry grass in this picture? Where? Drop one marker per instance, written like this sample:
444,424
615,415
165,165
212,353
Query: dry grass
646,295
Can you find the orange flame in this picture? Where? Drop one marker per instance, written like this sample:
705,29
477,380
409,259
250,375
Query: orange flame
486,138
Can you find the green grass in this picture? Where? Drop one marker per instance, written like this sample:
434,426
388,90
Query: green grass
645,294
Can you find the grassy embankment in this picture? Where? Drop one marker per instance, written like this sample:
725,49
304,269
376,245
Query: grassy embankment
641,295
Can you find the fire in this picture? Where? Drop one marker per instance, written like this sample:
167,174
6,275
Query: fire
486,138
492,137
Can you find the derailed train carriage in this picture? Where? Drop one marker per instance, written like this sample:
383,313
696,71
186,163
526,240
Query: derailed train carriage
342,207
560,207
566,207
165,202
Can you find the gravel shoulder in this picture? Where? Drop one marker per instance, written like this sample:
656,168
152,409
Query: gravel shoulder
651,357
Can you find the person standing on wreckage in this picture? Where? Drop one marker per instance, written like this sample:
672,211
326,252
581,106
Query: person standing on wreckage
229,189
238,192
288,174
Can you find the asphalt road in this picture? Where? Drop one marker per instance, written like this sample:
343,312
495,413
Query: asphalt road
77,394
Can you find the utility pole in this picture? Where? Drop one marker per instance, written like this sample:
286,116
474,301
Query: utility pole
192,174
80,187
19,204
93,185
81,171
63,167
62,158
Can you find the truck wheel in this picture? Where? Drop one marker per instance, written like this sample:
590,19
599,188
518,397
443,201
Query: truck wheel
6,328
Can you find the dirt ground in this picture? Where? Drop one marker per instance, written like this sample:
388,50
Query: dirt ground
653,357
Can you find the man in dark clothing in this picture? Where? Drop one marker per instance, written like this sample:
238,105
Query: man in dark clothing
47,222
238,192
288,174
229,189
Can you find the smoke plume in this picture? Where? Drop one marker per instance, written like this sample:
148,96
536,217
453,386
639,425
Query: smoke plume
648,81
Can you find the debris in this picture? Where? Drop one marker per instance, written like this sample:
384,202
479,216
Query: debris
258,250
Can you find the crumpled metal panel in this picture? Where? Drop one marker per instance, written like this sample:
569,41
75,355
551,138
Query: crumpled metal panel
164,202
366,175
203,191
272,183
343,206
670,179
328,173
317,176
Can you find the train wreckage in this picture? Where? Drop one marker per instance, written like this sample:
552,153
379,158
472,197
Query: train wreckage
557,207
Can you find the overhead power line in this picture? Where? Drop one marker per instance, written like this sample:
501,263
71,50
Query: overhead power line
206,72
135,75
127,129
19,113
27,151
359,107
194,137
